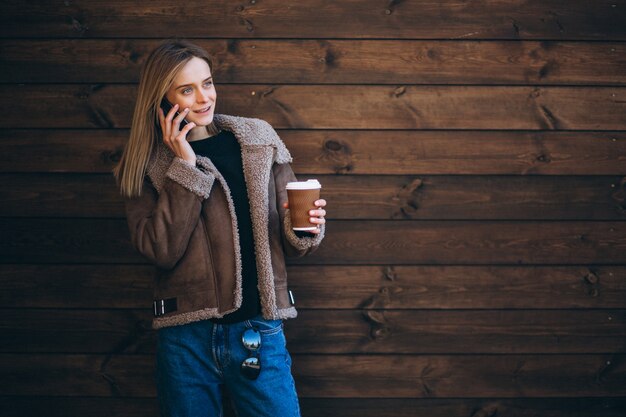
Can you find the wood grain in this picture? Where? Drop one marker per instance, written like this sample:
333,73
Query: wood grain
354,197
338,106
339,331
36,240
340,376
347,152
332,61
472,154
338,287
447,19
324,407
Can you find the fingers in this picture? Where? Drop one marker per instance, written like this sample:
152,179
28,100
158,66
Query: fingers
317,220
182,135
180,117
321,212
171,124
318,213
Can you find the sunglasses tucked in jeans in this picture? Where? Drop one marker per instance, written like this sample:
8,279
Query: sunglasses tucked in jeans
194,359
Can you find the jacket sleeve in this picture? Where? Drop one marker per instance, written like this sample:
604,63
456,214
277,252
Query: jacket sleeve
295,246
161,224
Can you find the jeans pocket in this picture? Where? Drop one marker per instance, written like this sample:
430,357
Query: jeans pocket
266,327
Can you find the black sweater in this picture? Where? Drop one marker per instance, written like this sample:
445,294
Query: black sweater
225,152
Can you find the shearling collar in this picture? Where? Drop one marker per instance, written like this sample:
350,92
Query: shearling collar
250,133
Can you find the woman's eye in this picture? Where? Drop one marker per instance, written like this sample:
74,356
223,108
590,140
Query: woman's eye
186,91
208,83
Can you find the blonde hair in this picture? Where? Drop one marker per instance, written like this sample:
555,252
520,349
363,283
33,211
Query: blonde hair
157,75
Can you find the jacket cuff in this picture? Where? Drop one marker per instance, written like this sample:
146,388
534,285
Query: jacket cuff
302,243
190,177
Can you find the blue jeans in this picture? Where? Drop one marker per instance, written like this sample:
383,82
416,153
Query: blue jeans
193,361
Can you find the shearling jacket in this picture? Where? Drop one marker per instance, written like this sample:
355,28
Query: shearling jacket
184,222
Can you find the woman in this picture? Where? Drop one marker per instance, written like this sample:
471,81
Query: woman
206,203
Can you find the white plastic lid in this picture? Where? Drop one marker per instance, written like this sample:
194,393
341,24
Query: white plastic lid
309,184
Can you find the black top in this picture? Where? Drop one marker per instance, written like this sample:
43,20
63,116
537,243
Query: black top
225,152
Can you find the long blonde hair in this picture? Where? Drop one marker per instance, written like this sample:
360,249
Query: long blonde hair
157,75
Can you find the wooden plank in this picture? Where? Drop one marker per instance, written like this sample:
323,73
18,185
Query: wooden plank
467,242
352,152
338,106
358,197
460,376
76,286
78,407
462,152
295,61
339,331
552,19
444,287
58,150
56,240
340,376
81,240
324,407
343,287
466,407
457,332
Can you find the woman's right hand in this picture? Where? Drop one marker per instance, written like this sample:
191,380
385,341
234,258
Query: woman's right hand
174,138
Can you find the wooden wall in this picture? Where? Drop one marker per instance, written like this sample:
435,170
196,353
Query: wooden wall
473,155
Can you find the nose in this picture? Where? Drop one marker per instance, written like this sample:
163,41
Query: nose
202,98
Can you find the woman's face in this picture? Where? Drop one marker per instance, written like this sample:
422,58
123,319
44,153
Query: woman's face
193,88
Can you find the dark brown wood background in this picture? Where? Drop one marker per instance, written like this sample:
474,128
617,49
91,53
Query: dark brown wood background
473,155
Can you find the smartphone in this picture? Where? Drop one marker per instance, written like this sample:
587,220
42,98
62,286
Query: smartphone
167,106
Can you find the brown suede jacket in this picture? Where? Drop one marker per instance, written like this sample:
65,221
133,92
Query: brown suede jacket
184,222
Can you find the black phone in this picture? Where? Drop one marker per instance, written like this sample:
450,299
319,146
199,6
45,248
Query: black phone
167,106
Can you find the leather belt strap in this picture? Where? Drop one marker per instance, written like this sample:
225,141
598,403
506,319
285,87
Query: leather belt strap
164,306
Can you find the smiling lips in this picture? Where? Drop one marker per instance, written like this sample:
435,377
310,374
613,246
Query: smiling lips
205,110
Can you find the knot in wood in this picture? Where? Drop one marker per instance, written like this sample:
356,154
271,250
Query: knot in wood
374,317
333,145
339,155
390,273
591,278
113,156
380,332
399,91
543,158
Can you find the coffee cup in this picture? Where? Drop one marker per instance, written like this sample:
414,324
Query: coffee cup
302,197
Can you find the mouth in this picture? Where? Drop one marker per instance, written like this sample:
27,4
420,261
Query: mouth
203,111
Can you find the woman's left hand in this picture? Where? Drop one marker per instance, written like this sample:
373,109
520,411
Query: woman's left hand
317,215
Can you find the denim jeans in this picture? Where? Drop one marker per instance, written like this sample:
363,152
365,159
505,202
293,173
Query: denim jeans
194,360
